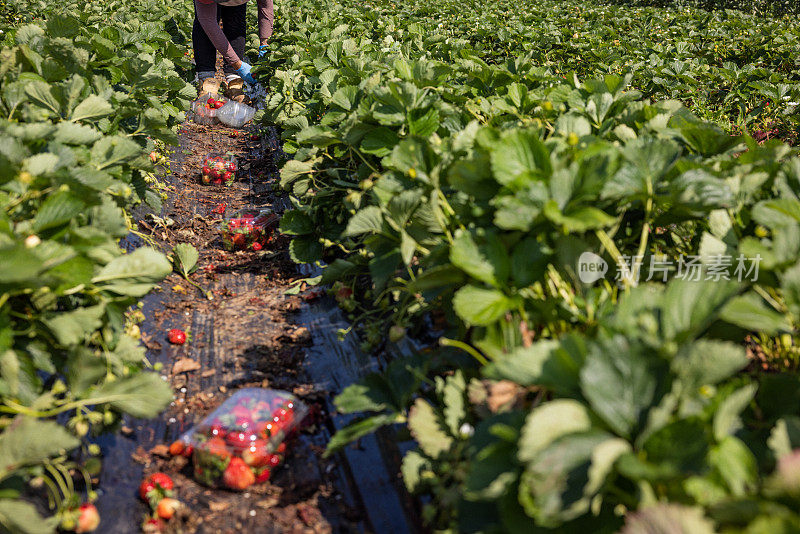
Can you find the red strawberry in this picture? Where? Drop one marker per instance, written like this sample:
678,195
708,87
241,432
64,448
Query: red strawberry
240,440
177,447
217,181
256,454
257,246
161,480
228,176
206,170
167,507
153,526
211,100
89,519
145,488
232,166
274,460
237,475
263,476
176,336
218,105
220,208
217,447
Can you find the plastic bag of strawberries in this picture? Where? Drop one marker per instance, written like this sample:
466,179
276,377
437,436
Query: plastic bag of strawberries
219,169
248,229
243,441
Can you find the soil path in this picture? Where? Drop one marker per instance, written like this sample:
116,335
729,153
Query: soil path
250,335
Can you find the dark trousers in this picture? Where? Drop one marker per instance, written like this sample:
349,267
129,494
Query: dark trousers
234,28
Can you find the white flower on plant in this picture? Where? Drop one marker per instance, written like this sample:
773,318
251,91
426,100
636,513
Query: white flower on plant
32,241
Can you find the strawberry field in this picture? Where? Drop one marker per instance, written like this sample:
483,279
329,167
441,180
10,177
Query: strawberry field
548,256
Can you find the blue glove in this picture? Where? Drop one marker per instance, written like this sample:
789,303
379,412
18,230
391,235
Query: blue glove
262,51
244,72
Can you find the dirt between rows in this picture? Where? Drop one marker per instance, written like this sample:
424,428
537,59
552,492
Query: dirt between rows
245,337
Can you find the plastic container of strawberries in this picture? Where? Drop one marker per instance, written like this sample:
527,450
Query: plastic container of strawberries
219,169
204,109
248,229
244,440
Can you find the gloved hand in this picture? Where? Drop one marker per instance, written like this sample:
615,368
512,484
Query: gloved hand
244,72
262,51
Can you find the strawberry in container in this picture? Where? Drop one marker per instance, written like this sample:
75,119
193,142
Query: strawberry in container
243,441
219,169
248,229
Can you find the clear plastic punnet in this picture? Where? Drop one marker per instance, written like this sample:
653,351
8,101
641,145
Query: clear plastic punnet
219,169
248,229
206,108
241,442
235,114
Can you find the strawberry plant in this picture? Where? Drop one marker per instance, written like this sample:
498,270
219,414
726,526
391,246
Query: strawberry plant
451,165
85,93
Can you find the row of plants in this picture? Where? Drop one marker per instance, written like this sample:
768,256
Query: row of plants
86,93
452,174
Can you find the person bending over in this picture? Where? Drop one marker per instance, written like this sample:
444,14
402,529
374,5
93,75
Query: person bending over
208,38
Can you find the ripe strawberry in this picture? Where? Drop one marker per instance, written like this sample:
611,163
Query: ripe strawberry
211,101
217,447
167,507
257,246
146,488
162,481
89,519
206,170
176,336
217,181
256,454
177,447
232,166
264,475
240,440
218,104
237,475
153,526
228,176
274,461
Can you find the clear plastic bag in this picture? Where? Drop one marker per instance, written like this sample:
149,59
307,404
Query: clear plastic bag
235,114
219,169
206,108
243,441
248,229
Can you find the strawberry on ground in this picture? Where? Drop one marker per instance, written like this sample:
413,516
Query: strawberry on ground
176,336
89,519
167,507
153,526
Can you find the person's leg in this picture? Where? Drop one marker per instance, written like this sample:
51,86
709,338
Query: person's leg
205,55
234,26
